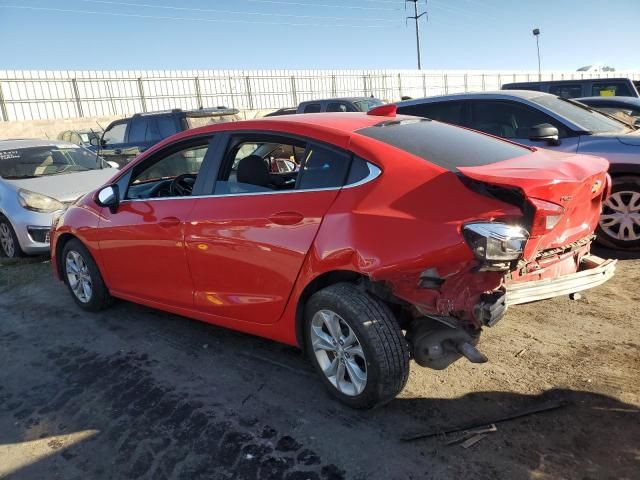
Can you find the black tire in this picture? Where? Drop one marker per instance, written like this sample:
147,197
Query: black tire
9,244
378,333
100,297
629,184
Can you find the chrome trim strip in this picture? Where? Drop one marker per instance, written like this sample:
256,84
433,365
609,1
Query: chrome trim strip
374,172
526,292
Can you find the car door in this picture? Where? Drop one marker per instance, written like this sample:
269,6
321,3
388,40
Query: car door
513,120
246,243
142,243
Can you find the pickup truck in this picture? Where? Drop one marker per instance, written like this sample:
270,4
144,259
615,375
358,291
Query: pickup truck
349,104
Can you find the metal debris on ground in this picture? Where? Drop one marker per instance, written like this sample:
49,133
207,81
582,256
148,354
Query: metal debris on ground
471,437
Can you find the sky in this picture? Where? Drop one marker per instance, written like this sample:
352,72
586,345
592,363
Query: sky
316,34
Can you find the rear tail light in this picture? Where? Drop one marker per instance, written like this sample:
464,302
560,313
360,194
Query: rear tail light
546,216
496,245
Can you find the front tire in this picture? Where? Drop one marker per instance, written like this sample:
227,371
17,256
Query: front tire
82,276
9,245
356,346
619,225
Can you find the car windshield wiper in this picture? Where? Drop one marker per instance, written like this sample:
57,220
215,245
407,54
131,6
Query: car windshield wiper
20,177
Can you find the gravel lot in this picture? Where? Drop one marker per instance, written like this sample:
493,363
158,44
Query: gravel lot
137,393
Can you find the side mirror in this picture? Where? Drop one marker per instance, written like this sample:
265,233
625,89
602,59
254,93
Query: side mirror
637,122
113,164
545,132
94,141
109,196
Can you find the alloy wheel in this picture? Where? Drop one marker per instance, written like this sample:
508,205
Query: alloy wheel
620,217
338,352
6,240
79,276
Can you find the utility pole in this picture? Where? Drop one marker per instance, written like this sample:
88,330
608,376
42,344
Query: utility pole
416,17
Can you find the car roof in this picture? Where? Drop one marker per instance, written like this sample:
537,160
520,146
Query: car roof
574,80
498,94
16,143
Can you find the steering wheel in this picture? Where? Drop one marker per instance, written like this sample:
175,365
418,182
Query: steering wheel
182,185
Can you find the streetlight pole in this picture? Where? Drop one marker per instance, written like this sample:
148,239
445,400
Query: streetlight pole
536,33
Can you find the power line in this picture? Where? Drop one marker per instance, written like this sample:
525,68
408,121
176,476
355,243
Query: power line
195,19
230,12
321,5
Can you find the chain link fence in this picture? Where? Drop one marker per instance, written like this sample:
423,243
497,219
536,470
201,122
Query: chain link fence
35,95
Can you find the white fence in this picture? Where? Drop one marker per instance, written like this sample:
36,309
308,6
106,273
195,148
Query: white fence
39,95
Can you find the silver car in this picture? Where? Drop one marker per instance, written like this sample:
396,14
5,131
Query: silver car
548,121
38,180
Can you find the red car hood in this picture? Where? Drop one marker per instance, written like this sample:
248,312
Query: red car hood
576,182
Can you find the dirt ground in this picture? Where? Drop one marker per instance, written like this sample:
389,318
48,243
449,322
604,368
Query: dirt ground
136,393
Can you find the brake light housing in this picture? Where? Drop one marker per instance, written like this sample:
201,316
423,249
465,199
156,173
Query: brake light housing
545,217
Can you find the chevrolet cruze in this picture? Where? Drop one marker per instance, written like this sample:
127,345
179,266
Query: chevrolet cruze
393,238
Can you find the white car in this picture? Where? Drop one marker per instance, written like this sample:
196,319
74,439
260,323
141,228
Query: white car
38,180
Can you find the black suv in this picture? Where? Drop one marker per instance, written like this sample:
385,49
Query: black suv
124,139
588,87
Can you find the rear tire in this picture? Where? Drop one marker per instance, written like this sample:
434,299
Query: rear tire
619,225
356,346
9,245
82,276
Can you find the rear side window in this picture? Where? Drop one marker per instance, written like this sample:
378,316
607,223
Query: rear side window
336,107
566,91
449,112
166,126
443,145
323,168
610,89
312,108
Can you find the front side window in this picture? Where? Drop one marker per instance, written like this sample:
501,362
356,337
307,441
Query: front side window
336,107
169,174
508,119
45,161
139,130
115,134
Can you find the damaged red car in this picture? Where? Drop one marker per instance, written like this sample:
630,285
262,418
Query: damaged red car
386,238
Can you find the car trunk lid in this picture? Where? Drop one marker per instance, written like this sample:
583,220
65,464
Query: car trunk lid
547,181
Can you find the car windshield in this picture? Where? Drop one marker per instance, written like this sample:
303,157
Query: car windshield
587,119
43,161
368,104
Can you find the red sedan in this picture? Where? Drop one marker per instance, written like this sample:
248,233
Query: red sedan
393,238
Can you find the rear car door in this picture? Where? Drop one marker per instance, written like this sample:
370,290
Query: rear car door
142,243
246,243
513,121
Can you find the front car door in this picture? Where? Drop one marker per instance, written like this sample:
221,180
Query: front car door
513,120
112,142
142,243
247,242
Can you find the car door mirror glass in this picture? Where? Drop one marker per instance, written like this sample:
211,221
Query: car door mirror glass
108,197
544,132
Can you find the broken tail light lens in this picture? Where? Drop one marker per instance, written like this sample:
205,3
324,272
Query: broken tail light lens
494,242
546,217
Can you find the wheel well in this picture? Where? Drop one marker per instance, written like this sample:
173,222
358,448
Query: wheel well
318,283
62,241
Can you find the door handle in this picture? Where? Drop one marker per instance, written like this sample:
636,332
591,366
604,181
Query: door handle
286,218
169,222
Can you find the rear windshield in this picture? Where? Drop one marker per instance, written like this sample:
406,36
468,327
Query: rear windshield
444,145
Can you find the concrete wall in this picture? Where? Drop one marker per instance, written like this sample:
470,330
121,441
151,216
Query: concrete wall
51,128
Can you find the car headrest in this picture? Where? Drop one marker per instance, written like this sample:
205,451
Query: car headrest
254,171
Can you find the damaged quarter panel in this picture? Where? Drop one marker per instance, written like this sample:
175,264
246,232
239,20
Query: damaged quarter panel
408,226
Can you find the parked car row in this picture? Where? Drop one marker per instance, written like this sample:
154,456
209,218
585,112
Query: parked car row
366,239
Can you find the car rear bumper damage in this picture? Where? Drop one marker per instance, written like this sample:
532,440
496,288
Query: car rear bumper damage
593,271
